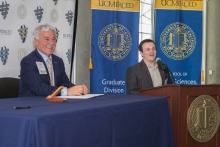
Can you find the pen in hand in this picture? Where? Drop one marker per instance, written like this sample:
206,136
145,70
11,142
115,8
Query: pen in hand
22,107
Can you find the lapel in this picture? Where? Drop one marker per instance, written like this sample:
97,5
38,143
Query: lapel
47,77
40,59
146,72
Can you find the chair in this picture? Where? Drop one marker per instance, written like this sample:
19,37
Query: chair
9,87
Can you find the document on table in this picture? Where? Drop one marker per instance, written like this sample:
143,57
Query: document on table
86,96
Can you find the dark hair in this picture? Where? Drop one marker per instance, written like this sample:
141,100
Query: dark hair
144,41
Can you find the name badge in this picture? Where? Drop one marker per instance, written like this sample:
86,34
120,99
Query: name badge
41,68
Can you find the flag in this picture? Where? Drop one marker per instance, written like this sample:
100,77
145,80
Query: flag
115,32
179,38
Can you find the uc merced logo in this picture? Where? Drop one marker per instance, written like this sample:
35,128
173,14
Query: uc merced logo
177,41
23,33
57,33
203,118
39,13
4,52
115,41
69,17
4,9
69,55
55,2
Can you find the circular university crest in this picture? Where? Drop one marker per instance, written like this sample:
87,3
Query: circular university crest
115,42
203,118
177,41
21,54
54,15
22,12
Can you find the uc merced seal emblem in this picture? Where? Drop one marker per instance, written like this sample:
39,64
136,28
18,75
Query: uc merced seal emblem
203,118
21,54
22,12
54,15
115,42
177,41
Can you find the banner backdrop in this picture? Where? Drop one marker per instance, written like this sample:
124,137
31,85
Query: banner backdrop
19,18
179,38
115,26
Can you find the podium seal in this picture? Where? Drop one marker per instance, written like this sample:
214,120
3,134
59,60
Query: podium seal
203,118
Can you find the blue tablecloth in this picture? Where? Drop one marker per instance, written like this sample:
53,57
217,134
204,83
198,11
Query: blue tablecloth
105,121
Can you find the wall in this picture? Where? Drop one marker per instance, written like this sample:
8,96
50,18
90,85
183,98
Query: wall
213,42
83,44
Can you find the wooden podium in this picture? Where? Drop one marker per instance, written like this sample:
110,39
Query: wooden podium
179,98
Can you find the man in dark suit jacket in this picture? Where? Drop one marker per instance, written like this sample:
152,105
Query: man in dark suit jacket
34,75
147,73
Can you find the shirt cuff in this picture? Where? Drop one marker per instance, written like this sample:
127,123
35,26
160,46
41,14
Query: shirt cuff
64,91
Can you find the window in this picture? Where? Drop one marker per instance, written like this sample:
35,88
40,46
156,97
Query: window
145,25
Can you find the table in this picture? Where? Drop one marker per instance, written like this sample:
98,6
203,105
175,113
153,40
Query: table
104,121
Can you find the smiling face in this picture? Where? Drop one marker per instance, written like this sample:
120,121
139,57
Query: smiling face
46,42
149,52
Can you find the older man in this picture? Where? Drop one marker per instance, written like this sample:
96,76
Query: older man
42,72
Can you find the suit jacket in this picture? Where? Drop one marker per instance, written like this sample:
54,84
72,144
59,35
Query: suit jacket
34,84
138,77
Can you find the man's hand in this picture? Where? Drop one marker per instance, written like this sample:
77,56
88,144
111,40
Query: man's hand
77,90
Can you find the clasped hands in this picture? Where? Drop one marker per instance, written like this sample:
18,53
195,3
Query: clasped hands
77,90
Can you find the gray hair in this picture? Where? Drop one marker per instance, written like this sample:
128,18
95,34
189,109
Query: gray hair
44,27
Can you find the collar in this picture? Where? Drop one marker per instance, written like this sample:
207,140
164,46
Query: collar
156,65
44,56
